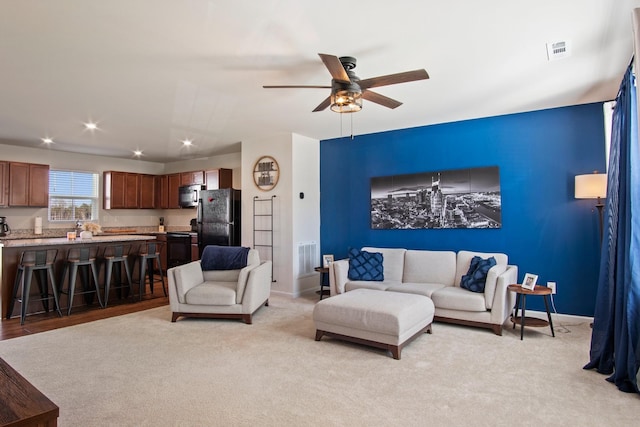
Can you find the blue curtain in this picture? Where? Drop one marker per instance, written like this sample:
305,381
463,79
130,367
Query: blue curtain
615,338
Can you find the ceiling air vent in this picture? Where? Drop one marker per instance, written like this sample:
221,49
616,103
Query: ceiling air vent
558,50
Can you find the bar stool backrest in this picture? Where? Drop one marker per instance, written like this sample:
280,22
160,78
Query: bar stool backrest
38,258
150,248
116,251
84,253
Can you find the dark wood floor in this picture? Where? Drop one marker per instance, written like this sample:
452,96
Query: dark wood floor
47,321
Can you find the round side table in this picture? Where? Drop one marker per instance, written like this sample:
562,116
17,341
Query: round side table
521,303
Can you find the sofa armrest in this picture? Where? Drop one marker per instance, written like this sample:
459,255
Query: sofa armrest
338,276
503,300
258,287
184,277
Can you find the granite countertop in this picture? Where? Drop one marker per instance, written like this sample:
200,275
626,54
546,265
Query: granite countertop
9,243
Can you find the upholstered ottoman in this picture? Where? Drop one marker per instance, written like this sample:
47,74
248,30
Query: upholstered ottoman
380,319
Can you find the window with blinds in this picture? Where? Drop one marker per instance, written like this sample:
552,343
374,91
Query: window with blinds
73,195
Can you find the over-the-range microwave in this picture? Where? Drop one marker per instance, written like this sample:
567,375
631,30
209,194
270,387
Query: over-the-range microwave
188,195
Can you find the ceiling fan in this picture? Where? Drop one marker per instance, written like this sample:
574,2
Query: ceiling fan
347,90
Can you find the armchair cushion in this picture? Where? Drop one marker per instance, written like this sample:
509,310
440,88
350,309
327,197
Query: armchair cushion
208,293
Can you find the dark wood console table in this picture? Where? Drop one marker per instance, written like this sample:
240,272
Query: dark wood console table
21,404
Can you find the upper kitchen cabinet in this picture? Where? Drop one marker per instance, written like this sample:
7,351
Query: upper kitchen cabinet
121,190
190,178
4,184
218,178
147,192
28,184
173,196
162,191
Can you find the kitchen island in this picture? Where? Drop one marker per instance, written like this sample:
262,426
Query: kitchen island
13,248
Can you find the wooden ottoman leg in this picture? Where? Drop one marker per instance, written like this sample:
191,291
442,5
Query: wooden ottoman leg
319,335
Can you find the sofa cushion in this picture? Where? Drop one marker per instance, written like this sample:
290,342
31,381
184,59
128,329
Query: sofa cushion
476,277
208,293
365,265
429,267
463,261
425,289
363,284
456,298
393,262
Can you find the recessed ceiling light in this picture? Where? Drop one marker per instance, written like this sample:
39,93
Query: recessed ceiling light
91,126
137,153
187,142
47,140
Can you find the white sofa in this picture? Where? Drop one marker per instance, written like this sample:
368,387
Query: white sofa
437,274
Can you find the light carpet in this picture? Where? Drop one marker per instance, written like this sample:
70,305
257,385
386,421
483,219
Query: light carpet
142,370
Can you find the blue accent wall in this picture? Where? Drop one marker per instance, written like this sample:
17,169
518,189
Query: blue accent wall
545,230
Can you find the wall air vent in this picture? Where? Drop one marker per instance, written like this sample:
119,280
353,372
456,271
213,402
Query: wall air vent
558,50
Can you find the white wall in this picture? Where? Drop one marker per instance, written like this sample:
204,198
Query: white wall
305,211
298,159
23,218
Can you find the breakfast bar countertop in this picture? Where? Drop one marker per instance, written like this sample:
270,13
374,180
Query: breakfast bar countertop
9,243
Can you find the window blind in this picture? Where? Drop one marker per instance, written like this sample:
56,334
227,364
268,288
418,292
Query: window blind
73,195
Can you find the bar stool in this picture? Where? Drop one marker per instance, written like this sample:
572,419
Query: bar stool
39,263
81,259
114,257
147,254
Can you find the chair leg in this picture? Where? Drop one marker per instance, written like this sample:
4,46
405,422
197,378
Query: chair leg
73,272
26,288
94,270
164,288
107,280
54,289
143,268
16,283
127,271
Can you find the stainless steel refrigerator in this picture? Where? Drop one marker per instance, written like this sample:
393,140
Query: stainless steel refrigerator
218,218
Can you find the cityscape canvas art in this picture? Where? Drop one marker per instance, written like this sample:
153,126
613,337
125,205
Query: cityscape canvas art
461,198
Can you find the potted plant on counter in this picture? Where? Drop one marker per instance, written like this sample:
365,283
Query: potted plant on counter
89,229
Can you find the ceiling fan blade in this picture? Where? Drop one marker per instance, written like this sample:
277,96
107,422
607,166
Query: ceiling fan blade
323,105
381,99
295,87
392,79
335,67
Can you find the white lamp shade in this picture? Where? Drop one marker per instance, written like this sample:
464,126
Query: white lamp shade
591,186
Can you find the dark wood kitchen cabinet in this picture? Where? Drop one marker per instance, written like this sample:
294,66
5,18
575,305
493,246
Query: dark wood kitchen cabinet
147,192
174,184
162,239
190,178
28,184
195,251
121,190
218,178
162,191
4,184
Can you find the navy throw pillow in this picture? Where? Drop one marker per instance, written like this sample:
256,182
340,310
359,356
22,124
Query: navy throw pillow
365,265
476,277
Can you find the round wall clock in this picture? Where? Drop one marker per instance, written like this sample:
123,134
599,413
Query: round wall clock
266,173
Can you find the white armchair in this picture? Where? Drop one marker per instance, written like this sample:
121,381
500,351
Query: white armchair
235,294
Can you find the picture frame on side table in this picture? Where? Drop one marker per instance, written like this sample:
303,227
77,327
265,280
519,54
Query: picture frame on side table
529,281
326,260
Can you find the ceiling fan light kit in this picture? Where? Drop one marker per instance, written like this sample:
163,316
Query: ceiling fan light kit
347,90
